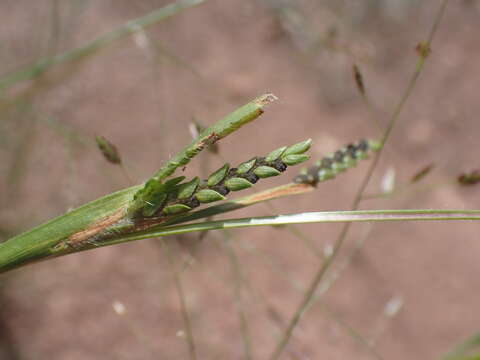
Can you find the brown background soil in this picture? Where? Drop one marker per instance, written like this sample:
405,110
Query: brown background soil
142,94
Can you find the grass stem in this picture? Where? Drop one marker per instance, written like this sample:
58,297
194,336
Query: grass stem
319,275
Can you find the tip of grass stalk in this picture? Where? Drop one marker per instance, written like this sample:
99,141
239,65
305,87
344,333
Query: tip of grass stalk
265,99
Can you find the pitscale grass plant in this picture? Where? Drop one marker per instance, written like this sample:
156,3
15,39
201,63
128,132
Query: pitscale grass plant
157,207
153,208
164,201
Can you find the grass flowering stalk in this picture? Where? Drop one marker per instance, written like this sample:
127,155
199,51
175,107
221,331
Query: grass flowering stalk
86,222
174,197
323,169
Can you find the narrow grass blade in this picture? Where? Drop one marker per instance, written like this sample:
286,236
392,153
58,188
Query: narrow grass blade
305,218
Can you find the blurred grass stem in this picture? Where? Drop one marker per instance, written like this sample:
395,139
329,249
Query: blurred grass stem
129,28
309,294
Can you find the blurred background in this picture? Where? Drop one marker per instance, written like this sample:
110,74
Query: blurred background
397,290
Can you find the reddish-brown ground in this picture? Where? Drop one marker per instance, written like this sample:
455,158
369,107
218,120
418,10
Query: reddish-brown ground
143,93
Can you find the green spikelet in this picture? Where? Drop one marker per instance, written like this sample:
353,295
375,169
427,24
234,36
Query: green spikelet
325,174
349,162
291,160
175,209
266,171
186,190
339,167
246,166
109,151
156,198
218,175
298,148
153,205
361,155
236,184
374,145
207,196
174,181
275,154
